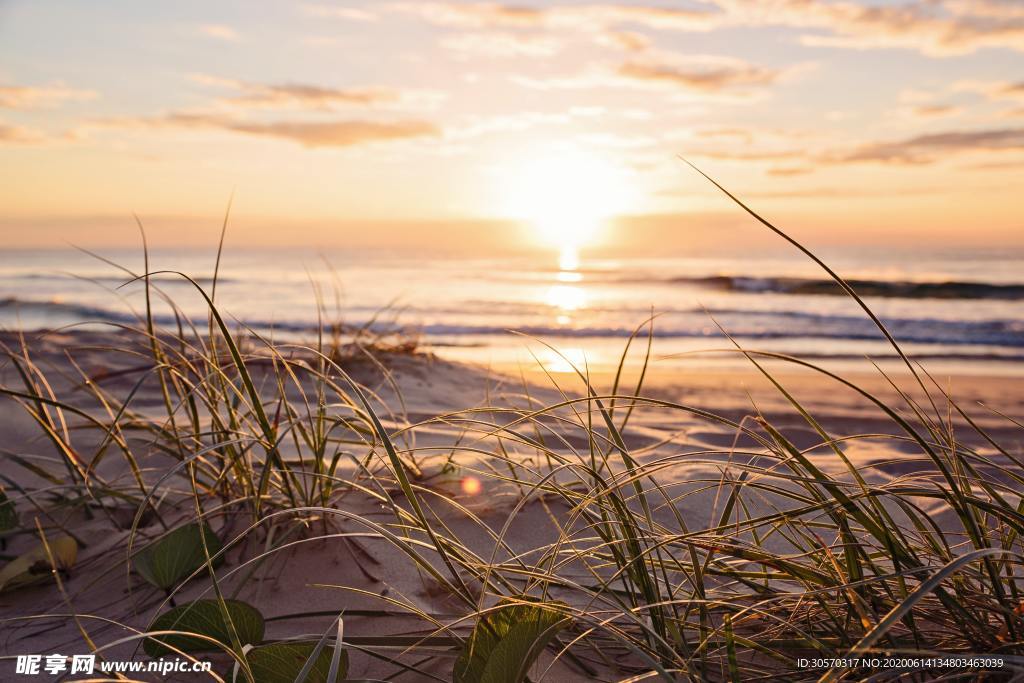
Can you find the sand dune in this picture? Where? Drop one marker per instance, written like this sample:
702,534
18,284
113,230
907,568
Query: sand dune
425,402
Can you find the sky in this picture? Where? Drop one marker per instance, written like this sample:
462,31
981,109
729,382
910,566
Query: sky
472,123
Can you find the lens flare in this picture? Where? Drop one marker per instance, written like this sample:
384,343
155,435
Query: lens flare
471,486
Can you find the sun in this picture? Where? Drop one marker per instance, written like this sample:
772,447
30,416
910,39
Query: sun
567,198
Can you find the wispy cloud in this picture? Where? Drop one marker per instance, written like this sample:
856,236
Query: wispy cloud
934,111
917,105
478,126
297,95
928,148
704,75
998,9
471,14
586,17
336,12
795,153
19,135
337,133
630,41
37,97
789,171
310,134
502,44
219,32
934,27
993,90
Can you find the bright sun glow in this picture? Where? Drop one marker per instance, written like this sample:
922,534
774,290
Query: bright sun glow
567,198
567,297
565,360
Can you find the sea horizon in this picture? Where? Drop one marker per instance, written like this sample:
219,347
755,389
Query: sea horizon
962,311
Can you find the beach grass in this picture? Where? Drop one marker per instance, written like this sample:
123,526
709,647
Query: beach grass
275,447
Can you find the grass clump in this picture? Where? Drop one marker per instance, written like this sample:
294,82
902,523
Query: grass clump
273,448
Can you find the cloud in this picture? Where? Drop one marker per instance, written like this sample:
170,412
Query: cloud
795,154
630,41
11,134
999,9
311,134
478,126
751,154
789,171
297,95
934,111
724,78
928,148
786,148
616,141
664,18
1015,90
347,13
934,27
502,44
219,32
707,77
18,135
38,97
582,17
743,135
338,133
993,90
471,14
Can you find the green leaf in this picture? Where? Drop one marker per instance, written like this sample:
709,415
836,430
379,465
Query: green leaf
507,641
8,515
34,566
282,662
176,555
204,618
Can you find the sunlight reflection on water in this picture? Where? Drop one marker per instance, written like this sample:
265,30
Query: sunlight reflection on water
567,297
569,257
565,360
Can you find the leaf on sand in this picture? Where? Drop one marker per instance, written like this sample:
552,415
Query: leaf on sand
282,662
176,555
8,515
204,618
34,566
507,641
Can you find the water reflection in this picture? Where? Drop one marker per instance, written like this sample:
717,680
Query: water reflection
564,360
569,257
566,298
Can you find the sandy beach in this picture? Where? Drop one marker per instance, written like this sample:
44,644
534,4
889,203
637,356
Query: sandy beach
333,564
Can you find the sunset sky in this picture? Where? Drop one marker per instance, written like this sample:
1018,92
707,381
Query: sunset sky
843,120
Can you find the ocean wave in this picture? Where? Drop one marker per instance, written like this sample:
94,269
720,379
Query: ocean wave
895,289
680,324
770,284
117,280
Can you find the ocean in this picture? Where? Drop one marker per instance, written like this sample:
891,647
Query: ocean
957,311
